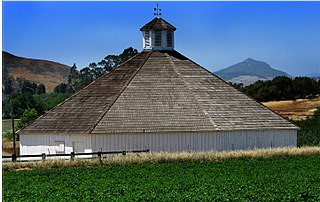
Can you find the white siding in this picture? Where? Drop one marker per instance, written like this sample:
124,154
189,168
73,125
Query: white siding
201,141
49,143
151,43
146,40
156,142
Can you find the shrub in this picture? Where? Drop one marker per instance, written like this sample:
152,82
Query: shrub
27,117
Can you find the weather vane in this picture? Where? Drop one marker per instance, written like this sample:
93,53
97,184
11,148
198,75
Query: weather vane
157,11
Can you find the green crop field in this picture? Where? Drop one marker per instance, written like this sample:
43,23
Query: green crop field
295,178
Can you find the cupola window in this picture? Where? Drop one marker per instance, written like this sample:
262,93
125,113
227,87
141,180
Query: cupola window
157,37
169,38
147,38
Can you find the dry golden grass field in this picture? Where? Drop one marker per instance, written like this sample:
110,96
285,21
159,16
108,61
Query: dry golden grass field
7,148
294,109
164,157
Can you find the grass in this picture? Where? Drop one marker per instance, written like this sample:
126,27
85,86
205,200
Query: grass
286,178
7,125
164,158
7,148
7,128
294,109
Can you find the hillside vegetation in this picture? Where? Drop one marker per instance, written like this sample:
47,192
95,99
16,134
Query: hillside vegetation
79,79
295,178
39,71
309,133
282,88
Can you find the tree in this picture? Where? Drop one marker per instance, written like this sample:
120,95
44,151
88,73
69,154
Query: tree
112,61
305,86
283,88
21,102
51,100
95,70
41,89
27,117
86,76
79,79
238,86
7,82
63,88
109,62
74,76
25,86
127,54
309,133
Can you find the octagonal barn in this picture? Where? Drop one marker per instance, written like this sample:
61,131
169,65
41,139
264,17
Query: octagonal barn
158,100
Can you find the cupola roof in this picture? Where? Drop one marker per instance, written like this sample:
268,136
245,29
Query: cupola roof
158,24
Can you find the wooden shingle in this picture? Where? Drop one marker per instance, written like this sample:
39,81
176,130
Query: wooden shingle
157,91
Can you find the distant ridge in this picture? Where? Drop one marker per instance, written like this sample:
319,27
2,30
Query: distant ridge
248,72
46,72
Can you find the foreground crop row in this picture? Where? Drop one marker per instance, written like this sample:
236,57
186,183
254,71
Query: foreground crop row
294,178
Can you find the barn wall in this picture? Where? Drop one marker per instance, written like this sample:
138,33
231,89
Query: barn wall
171,142
201,141
54,143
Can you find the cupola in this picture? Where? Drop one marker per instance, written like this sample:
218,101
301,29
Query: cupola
158,34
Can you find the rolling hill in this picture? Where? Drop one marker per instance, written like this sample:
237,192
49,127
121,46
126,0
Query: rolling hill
46,72
248,72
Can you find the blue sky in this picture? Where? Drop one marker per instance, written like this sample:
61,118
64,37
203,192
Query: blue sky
216,35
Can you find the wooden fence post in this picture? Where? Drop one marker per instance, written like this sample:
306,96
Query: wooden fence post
72,156
43,156
99,156
14,157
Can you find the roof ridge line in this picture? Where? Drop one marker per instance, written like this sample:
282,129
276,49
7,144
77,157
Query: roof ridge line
75,94
251,98
120,92
198,103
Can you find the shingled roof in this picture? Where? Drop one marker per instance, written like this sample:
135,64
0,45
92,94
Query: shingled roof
157,91
158,24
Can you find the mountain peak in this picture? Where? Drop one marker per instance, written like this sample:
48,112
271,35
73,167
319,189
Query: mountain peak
250,60
249,68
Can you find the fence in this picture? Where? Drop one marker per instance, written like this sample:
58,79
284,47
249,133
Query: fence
72,154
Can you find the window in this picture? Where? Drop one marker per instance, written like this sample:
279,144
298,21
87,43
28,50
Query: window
169,38
157,37
60,148
147,39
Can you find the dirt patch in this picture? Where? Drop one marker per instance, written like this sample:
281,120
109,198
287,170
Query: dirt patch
23,169
294,109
